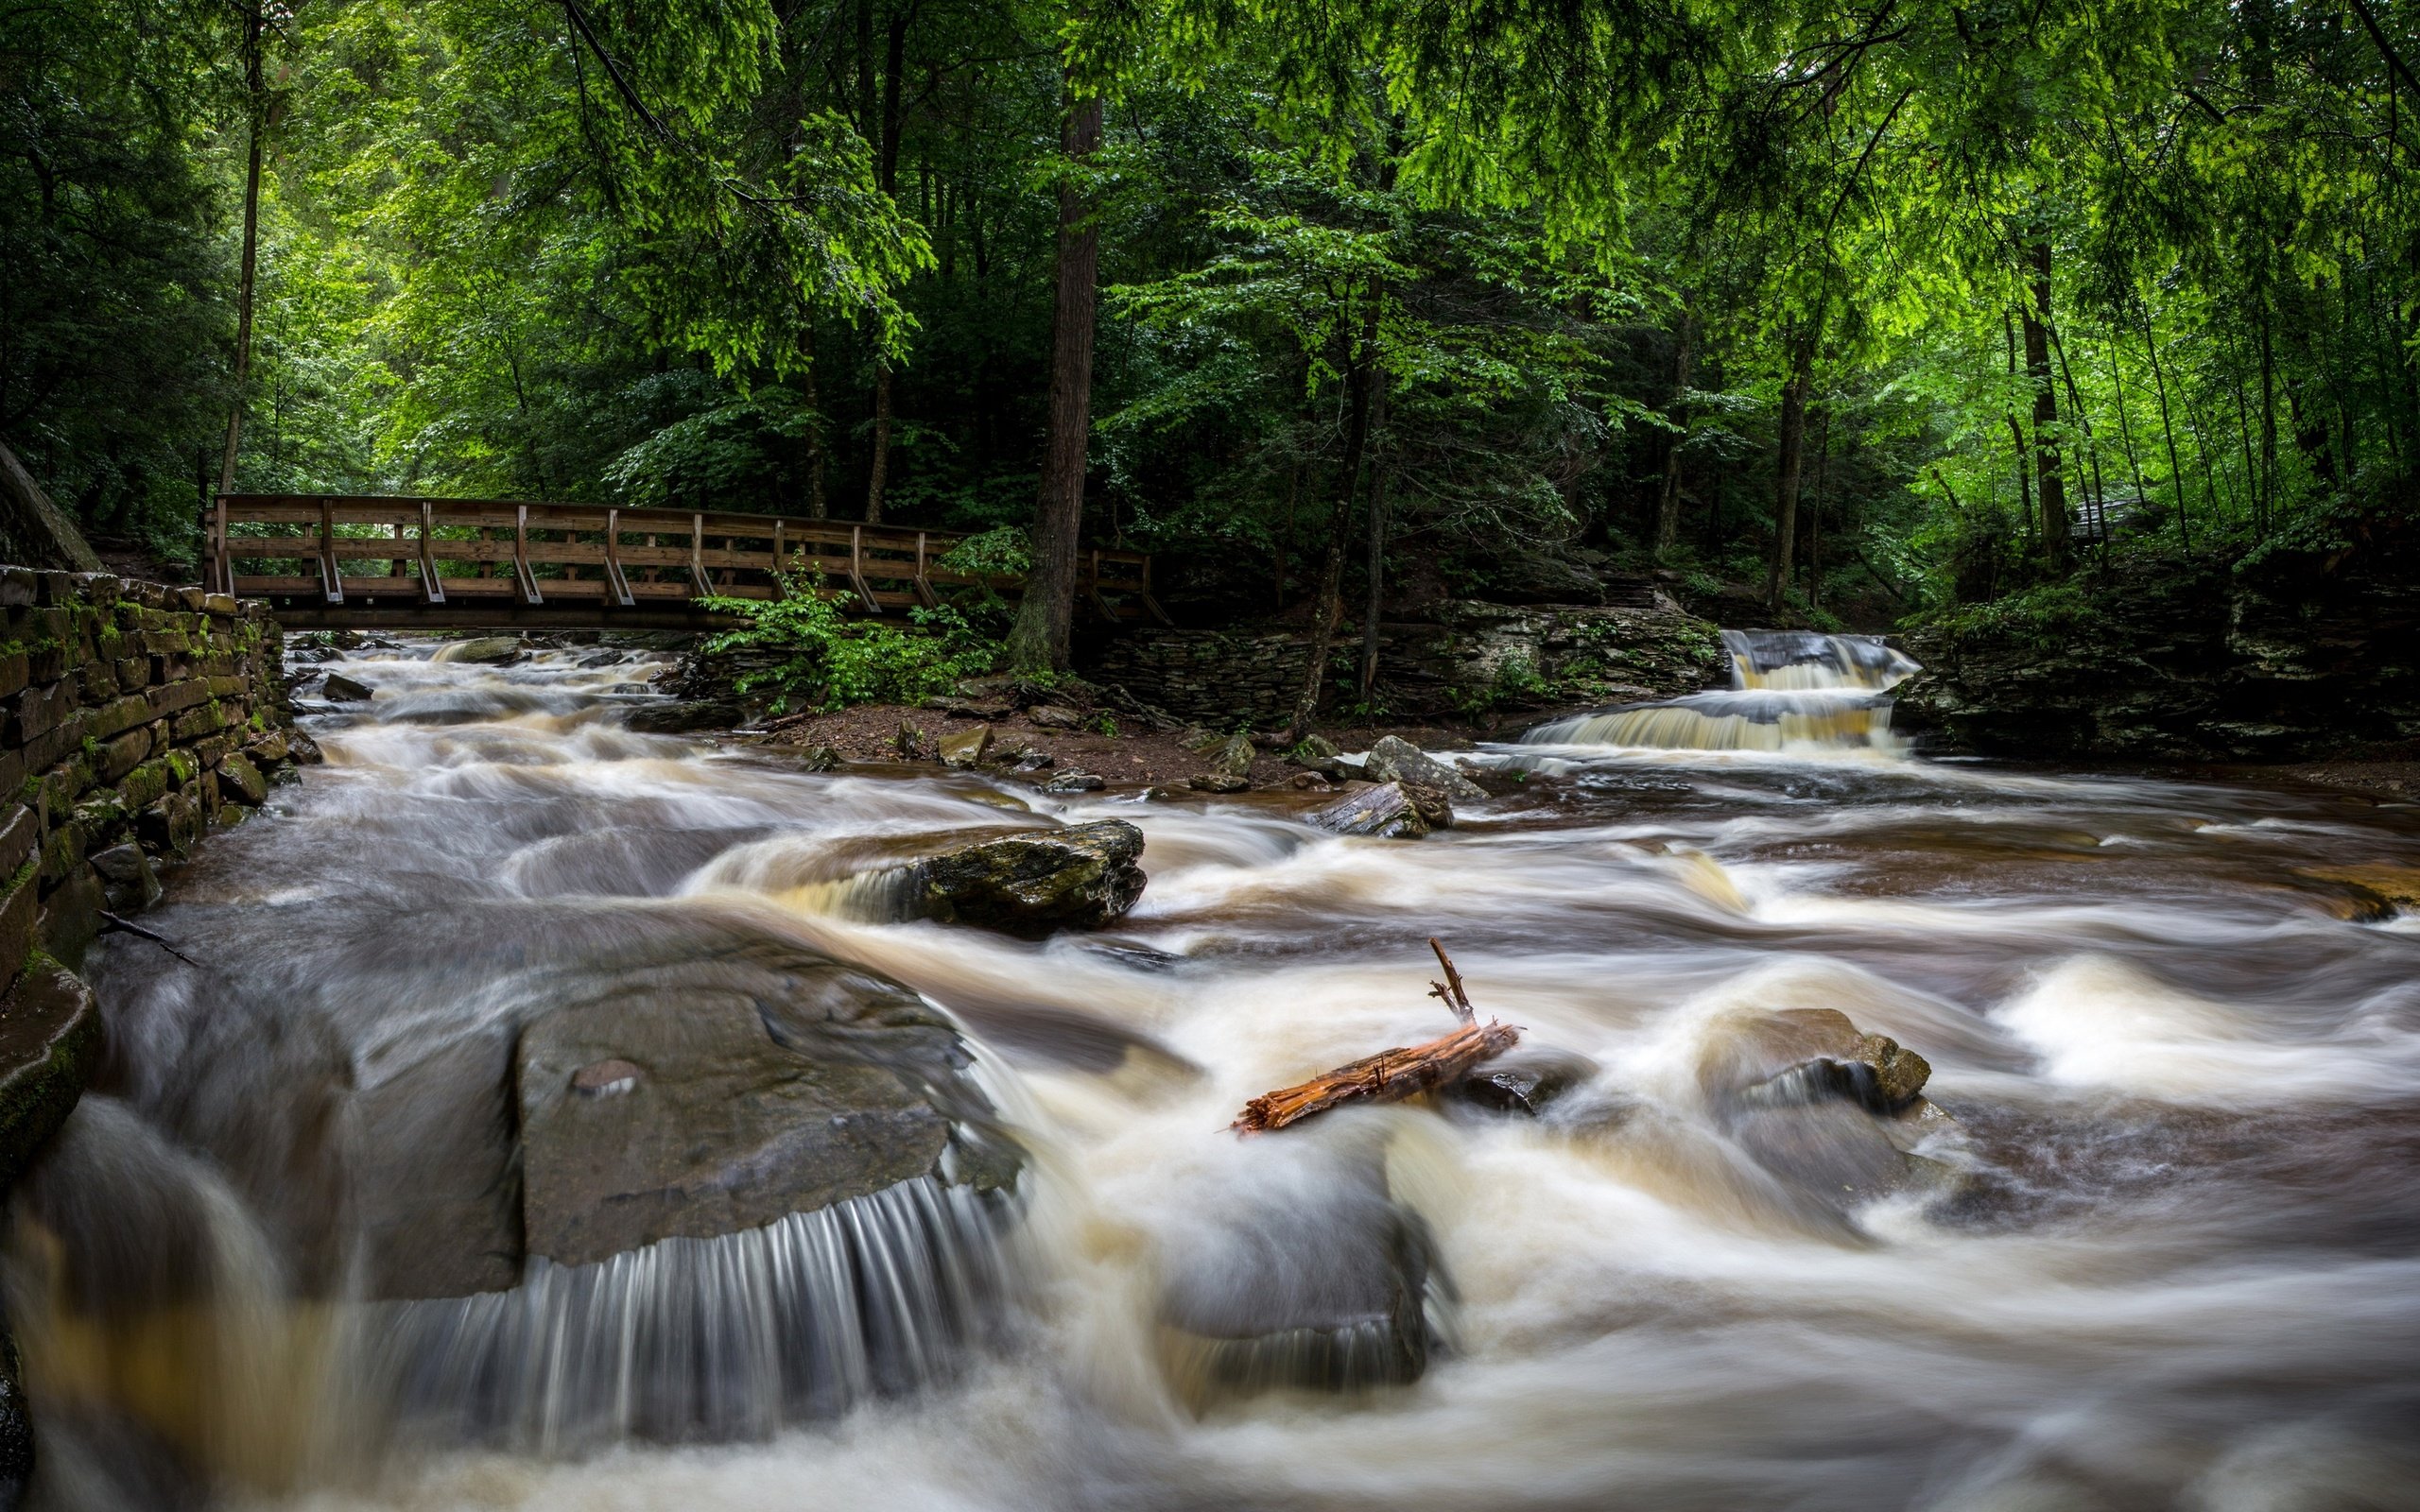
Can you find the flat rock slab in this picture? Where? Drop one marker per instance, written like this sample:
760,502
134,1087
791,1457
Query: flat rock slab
642,1119
50,1041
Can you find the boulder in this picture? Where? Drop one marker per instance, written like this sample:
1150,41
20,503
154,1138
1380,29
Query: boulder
1219,782
1055,716
485,650
50,1043
1308,1276
1032,882
645,1117
967,748
1395,758
1523,1080
1234,756
341,689
126,878
240,780
1073,781
1388,811
1831,1111
679,717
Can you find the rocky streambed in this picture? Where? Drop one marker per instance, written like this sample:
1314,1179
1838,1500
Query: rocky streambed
560,1110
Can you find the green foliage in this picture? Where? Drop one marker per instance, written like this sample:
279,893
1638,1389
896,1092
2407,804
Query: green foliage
823,660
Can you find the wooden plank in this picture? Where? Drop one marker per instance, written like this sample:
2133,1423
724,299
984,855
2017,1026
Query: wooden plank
521,558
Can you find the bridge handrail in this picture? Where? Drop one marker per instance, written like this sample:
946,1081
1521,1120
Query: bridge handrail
515,532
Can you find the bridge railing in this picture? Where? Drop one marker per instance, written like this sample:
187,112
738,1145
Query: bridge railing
328,553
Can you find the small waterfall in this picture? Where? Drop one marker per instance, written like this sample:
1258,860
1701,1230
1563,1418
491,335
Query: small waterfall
1790,690
710,1339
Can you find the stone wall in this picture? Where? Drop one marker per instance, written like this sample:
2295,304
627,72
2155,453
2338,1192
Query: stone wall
1468,659
2301,658
131,717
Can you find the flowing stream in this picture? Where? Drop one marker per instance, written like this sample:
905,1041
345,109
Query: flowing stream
2163,1251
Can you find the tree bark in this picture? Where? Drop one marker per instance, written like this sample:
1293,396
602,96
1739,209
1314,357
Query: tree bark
1793,455
1377,566
1328,608
2168,429
887,174
256,96
1668,505
2053,490
1045,617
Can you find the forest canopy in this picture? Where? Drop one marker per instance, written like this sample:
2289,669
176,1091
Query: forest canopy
1862,309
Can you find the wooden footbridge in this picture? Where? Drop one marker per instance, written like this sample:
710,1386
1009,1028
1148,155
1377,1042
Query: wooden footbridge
325,561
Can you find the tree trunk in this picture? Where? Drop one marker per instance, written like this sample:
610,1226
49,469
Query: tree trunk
2053,489
1668,506
1045,617
2168,429
1793,453
245,276
887,174
1377,567
1329,606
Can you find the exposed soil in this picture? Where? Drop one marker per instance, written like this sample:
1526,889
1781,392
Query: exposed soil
1134,754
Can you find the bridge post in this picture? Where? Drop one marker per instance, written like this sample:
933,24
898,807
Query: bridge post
431,591
615,583
525,579
331,581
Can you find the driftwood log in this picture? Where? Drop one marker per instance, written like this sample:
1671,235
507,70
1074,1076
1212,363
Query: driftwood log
1390,1076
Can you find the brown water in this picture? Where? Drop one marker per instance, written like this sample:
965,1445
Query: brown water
2171,1261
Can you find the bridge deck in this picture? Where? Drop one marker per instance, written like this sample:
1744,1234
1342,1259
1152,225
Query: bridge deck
332,561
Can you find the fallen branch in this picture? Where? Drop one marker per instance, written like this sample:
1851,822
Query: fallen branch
113,923
1390,1076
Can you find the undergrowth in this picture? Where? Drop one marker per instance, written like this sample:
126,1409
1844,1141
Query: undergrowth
827,660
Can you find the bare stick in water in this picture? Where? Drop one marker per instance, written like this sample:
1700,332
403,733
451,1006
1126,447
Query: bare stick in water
1390,1076
109,921
1450,991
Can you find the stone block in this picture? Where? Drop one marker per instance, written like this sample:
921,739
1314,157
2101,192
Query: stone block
19,586
37,711
133,673
15,672
71,916
122,755
240,782
119,715
222,604
19,831
170,826
172,697
61,853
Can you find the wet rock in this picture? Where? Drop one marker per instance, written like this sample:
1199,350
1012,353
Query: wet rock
169,826
967,748
128,877
302,749
1315,751
681,717
1219,782
339,688
241,782
1055,716
600,659
1073,781
1033,880
621,862
1394,759
643,1118
50,1043
1388,811
1829,1109
16,1429
435,1185
1522,1080
1259,1296
485,650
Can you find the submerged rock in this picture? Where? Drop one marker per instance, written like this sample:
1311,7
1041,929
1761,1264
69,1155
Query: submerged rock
1389,811
1522,1080
1308,1277
341,689
1395,758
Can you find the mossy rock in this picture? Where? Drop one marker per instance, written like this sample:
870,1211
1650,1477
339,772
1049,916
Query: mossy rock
50,1042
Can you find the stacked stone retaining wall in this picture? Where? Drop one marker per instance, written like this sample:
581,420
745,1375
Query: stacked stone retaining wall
133,716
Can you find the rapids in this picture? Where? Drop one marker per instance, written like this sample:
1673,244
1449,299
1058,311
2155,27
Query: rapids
2173,1259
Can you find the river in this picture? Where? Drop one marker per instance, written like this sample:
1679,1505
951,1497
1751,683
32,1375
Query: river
2164,1253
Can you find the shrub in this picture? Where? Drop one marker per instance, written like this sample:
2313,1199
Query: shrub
827,660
